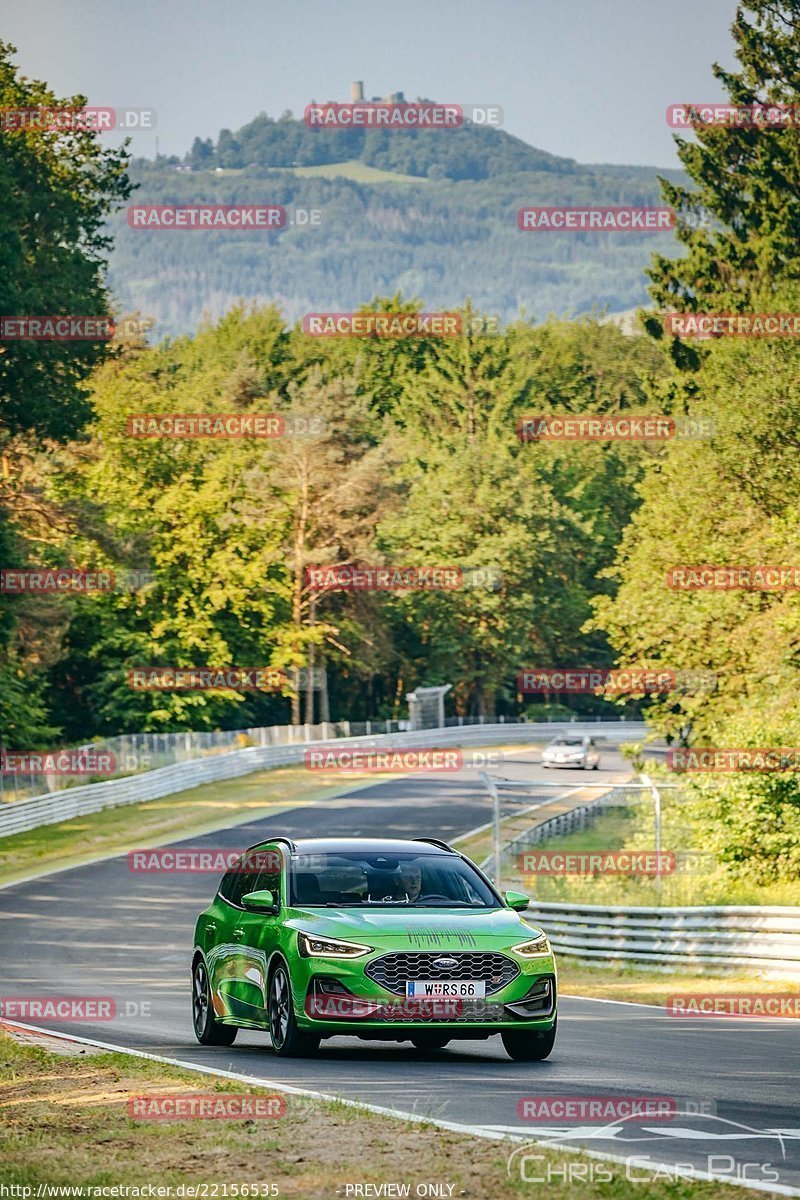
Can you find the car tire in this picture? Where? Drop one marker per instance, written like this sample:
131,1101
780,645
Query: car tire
430,1041
207,1029
287,1040
596,766
525,1046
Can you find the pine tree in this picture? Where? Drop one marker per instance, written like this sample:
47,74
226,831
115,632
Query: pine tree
740,223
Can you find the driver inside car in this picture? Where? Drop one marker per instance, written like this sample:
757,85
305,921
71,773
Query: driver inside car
411,881
404,887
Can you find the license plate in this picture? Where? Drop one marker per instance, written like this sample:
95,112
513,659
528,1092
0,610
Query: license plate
461,989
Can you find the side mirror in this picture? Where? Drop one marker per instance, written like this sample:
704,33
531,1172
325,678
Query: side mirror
516,900
261,901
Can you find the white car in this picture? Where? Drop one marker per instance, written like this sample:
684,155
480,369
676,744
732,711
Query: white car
571,750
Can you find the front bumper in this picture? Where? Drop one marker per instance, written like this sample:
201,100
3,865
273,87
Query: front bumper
339,997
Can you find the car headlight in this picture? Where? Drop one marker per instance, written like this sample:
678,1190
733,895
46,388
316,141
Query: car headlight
311,946
536,948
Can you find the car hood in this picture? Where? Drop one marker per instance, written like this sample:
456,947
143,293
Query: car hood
417,929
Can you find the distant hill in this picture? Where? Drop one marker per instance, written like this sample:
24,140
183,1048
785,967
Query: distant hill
431,214
469,152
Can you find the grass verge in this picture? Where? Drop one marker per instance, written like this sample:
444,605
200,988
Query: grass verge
653,987
67,1124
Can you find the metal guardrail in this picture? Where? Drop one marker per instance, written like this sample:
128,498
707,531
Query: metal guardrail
23,815
764,939
134,753
578,818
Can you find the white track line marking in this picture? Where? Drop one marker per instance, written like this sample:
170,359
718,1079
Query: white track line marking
687,1017
490,1134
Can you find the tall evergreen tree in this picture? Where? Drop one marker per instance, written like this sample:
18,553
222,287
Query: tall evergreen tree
740,219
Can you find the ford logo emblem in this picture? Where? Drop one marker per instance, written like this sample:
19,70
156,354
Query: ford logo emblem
445,964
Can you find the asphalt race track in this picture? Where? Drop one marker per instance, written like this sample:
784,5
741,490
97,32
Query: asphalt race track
102,930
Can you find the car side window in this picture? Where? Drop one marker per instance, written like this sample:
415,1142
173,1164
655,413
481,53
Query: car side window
248,882
270,874
241,879
230,883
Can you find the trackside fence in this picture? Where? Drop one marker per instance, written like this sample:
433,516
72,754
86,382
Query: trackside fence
133,753
23,815
764,940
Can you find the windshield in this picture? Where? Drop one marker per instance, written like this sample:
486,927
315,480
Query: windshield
353,879
567,741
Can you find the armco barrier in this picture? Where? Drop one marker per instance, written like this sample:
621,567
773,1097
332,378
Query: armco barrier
765,940
23,815
578,818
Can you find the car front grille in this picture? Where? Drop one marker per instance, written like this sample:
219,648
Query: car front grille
392,971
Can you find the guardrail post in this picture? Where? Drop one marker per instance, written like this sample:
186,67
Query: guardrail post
493,791
656,794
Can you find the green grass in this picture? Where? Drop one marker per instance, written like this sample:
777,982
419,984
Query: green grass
653,987
353,169
66,1123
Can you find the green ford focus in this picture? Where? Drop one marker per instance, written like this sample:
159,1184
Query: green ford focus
377,938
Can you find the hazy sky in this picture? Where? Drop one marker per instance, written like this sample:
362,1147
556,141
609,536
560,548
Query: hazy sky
588,79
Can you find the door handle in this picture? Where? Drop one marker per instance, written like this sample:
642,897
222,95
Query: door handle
238,934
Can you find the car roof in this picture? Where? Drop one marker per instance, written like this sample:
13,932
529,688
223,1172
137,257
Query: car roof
364,845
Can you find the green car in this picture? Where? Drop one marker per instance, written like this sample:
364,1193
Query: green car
378,938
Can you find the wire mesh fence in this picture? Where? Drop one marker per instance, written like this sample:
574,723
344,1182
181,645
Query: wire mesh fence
130,754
